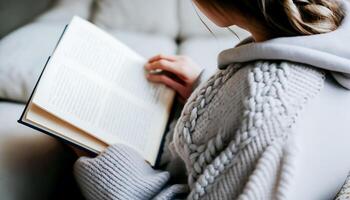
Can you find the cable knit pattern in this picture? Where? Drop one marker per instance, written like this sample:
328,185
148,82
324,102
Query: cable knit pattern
233,137
276,93
344,192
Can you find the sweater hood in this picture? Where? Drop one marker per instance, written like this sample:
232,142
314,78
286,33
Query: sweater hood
329,51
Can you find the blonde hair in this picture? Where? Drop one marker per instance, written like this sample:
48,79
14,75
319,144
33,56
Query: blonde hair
309,17
286,17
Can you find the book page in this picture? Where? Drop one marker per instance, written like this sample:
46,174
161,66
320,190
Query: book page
54,125
98,84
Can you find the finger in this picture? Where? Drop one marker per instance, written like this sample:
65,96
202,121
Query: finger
166,81
165,65
162,56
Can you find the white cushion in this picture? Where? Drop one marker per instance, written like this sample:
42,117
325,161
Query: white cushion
191,25
22,57
323,138
147,45
204,50
151,16
24,52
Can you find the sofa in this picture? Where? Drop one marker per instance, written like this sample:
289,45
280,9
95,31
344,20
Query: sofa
36,166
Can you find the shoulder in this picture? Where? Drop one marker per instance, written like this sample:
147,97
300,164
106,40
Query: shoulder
247,90
272,75
239,104
267,70
276,91
269,75
256,101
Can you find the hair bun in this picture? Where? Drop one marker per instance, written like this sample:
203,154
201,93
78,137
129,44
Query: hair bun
313,16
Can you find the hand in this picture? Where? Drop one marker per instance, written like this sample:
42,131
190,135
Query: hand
177,72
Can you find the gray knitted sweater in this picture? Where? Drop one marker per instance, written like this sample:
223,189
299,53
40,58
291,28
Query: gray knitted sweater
233,139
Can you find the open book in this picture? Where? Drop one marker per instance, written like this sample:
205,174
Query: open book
93,93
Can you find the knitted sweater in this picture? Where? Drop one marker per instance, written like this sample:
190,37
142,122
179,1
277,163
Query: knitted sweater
233,139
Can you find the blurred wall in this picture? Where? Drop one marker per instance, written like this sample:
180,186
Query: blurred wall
15,13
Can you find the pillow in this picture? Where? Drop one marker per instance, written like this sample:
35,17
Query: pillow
23,55
24,52
147,45
151,16
191,25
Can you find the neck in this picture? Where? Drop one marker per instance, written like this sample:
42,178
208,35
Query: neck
259,32
259,36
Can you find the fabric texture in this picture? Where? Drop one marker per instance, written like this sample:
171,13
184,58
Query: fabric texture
231,137
131,178
322,139
157,16
344,193
233,132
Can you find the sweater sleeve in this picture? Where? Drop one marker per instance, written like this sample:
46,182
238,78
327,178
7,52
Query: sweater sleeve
121,173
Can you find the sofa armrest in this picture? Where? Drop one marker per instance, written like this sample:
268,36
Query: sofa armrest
32,164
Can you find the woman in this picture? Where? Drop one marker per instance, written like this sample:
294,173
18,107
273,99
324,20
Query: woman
232,139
